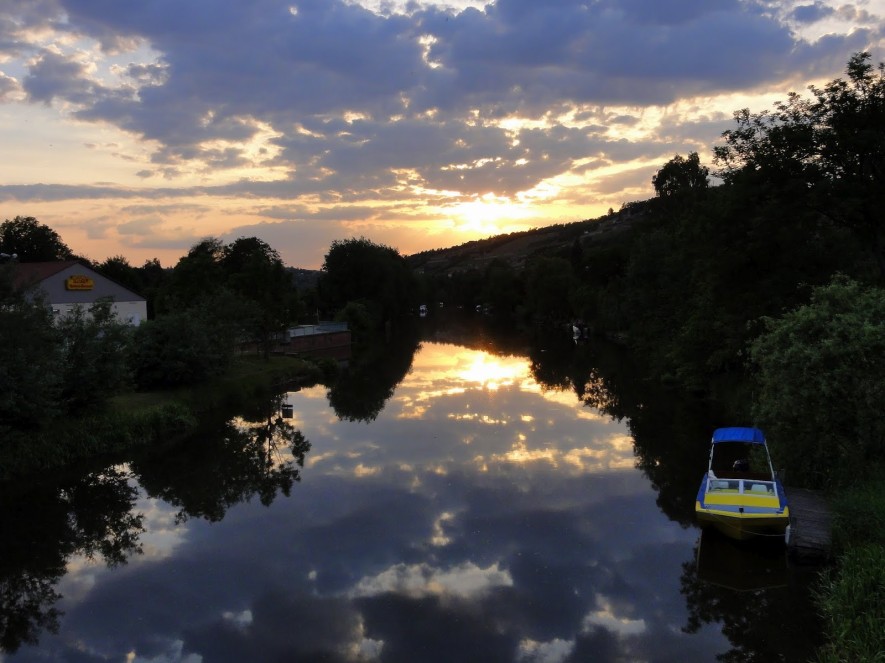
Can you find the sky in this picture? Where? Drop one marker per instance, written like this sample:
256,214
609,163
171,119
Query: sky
138,129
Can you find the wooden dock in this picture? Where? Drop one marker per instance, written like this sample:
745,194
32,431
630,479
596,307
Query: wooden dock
810,525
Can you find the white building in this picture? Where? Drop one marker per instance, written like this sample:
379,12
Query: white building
71,283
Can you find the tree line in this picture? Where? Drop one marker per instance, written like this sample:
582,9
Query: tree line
219,300
763,292
697,289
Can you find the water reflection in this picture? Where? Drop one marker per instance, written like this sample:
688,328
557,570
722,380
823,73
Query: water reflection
367,382
763,605
470,510
44,529
227,465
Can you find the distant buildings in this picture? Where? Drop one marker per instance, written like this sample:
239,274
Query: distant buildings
71,283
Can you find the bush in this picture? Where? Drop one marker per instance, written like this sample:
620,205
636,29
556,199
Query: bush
821,385
180,349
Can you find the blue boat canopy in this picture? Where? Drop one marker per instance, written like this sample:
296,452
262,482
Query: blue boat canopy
738,434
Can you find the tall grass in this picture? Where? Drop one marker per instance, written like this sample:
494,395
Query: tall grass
852,600
859,515
851,596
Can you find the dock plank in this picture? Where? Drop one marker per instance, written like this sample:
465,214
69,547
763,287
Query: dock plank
810,525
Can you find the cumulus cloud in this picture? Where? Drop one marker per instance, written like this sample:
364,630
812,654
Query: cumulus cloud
811,13
335,102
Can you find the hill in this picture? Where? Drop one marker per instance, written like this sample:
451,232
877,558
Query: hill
517,248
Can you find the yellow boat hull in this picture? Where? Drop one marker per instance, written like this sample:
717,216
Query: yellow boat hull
743,526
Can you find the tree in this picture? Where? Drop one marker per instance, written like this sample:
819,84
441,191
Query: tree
501,289
680,177
254,271
32,241
826,154
152,276
549,282
117,268
821,384
360,270
187,346
197,276
94,357
29,381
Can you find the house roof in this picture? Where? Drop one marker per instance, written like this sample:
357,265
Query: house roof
28,274
31,274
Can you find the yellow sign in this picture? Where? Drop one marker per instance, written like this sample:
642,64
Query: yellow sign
79,283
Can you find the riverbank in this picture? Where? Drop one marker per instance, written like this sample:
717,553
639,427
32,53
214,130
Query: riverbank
851,597
135,419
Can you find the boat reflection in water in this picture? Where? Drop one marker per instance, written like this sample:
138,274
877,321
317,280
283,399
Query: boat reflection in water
760,564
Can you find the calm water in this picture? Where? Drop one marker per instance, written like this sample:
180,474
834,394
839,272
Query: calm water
477,510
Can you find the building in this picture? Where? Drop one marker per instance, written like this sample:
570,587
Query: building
326,339
71,283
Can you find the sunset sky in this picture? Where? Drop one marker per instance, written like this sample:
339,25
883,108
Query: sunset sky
139,128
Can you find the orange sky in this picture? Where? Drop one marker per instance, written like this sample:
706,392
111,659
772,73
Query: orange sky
139,131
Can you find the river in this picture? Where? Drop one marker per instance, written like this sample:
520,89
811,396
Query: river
455,502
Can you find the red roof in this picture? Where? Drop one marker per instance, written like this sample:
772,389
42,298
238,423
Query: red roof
31,273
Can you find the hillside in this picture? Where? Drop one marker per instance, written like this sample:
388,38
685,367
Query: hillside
516,248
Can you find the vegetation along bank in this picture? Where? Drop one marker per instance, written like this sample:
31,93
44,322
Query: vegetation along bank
763,293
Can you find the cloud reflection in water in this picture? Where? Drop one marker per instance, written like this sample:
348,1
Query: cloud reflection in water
505,523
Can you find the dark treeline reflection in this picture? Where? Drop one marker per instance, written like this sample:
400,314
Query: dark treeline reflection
42,528
364,386
44,525
753,593
228,464
670,428
762,602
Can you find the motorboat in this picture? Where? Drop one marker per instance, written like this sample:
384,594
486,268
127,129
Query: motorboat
740,494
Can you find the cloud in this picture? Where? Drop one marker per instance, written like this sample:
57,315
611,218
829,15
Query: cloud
54,76
811,13
394,107
220,65
417,580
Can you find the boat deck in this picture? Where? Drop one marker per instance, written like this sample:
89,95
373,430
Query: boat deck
810,525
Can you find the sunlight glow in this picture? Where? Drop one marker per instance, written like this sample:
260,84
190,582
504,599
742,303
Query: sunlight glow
492,373
488,214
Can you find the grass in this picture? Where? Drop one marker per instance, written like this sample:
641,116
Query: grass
859,515
247,374
852,595
852,600
133,419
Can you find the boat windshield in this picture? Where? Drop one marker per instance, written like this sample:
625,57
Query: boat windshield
739,460
741,486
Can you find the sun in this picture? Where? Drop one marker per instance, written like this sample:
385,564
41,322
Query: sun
488,215
491,373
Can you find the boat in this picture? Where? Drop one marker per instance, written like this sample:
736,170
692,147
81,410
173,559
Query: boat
740,494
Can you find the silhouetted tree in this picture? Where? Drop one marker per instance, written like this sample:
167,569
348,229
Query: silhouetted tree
826,154
32,241
681,177
360,270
